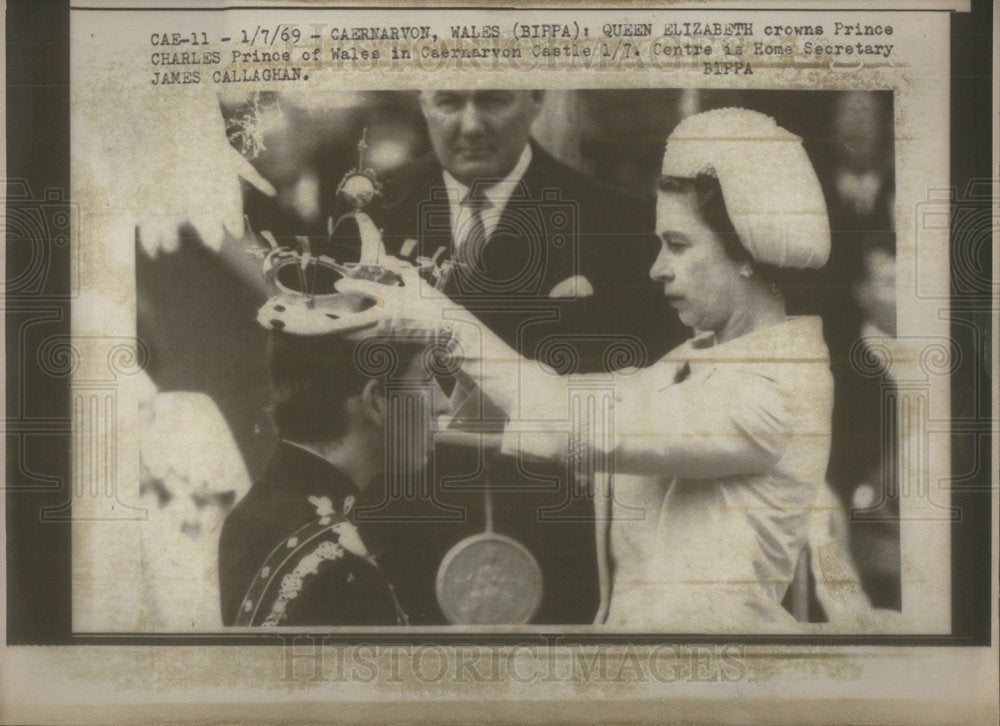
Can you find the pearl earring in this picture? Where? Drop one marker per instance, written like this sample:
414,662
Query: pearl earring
746,272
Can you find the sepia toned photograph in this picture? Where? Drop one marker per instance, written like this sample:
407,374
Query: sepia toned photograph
529,365
254,432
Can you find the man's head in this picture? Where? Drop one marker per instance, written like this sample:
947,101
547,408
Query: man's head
328,387
479,134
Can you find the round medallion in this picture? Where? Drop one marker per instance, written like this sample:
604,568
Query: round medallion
489,579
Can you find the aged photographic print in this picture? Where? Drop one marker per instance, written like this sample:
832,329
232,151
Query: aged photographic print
520,355
573,273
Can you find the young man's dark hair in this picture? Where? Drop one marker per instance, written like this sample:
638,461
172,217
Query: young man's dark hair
313,376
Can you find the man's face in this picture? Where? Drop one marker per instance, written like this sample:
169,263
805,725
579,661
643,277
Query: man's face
410,413
479,134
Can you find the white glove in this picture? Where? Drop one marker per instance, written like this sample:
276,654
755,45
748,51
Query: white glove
413,311
418,311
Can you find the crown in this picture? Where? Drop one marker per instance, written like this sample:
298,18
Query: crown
307,295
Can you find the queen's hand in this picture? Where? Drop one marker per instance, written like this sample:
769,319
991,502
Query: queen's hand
413,310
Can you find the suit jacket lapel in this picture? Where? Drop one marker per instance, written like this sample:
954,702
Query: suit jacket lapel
435,224
421,210
425,207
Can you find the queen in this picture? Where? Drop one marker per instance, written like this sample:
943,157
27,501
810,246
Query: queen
709,462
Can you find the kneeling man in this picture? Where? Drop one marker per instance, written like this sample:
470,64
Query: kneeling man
291,552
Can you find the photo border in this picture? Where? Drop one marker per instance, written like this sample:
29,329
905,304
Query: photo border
39,436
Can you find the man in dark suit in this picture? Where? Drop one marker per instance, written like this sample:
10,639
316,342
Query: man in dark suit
558,266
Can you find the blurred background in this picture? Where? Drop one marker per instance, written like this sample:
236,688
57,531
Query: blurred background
197,302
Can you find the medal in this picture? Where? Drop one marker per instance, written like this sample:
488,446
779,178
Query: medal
489,578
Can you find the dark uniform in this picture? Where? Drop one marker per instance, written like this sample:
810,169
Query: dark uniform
290,553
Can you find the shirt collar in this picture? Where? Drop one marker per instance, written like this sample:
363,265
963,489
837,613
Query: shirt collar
500,192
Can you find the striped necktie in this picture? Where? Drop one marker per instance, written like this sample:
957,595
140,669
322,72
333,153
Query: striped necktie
471,240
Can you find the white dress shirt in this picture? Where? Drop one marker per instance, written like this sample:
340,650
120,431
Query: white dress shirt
497,194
